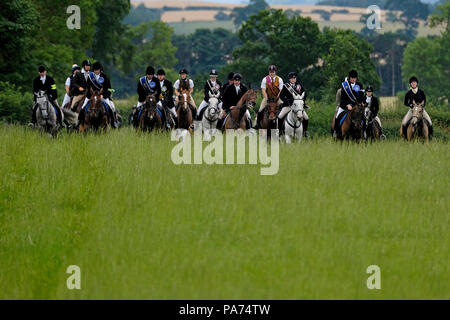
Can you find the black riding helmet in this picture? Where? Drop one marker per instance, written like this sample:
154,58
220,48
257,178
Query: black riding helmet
161,72
150,70
213,73
292,75
86,63
369,88
413,79
272,68
353,74
230,76
183,71
97,66
237,76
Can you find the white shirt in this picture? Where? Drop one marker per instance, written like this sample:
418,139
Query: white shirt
368,99
43,79
177,84
264,83
238,88
68,81
85,73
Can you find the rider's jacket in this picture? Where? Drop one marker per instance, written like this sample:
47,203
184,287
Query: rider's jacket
214,88
374,105
47,84
147,87
167,92
351,94
232,95
286,95
96,83
418,97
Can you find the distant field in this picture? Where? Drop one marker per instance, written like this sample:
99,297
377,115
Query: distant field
140,227
190,27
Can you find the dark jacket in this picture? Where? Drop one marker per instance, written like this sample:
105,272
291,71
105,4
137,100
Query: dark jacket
77,81
167,92
150,87
224,87
207,89
418,97
287,97
97,86
231,98
374,106
49,87
345,99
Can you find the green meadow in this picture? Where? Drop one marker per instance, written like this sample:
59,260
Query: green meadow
141,227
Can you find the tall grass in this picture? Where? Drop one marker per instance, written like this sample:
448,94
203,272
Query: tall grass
141,227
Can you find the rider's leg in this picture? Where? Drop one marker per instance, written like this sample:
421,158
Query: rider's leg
405,121
58,111
260,111
428,119
305,122
111,112
204,104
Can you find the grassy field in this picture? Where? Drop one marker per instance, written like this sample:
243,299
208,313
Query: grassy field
141,227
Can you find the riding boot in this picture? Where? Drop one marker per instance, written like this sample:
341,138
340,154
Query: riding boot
305,128
33,115
258,117
404,130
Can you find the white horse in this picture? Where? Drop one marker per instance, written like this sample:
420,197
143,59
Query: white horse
211,116
46,119
293,128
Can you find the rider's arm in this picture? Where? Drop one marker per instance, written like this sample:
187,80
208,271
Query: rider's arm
52,85
106,87
407,102
424,99
263,88
375,106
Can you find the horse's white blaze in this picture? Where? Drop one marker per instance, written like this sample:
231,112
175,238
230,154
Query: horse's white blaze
185,100
293,128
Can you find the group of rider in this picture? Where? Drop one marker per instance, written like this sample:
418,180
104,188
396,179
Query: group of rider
82,82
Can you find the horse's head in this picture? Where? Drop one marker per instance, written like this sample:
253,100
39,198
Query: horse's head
367,112
272,108
212,112
183,101
250,98
96,109
298,107
417,112
150,107
357,115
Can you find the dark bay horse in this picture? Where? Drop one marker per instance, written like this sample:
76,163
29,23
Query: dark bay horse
269,120
96,116
184,112
373,132
149,118
351,123
236,118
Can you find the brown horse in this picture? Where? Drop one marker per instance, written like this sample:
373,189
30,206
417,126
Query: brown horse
149,118
352,124
270,115
236,118
184,112
96,116
417,127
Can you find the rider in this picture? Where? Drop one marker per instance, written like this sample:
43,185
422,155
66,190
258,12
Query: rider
212,85
374,106
78,87
351,94
229,83
418,95
67,96
97,80
232,95
271,86
148,85
46,83
184,81
288,99
86,68
167,93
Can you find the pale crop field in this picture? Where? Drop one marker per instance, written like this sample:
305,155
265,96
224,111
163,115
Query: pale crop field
139,226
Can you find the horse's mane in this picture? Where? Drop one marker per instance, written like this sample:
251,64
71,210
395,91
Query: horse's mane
184,84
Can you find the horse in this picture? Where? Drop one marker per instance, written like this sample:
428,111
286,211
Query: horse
149,118
46,118
372,130
269,119
236,118
96,116
417,127
184,113
293,127
165,103
351,123
211,114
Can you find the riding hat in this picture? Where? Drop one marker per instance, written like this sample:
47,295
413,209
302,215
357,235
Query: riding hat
272,68
86,63
369,88
150,70
413,79
237,76
292,75
183,71
41,69
213,73
161,72
97,66
230,76
75,67
353,74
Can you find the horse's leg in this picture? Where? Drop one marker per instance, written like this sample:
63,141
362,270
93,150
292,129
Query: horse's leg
409,132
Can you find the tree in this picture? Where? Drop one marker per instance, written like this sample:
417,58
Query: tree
429,58
241,14
270,37
412,11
